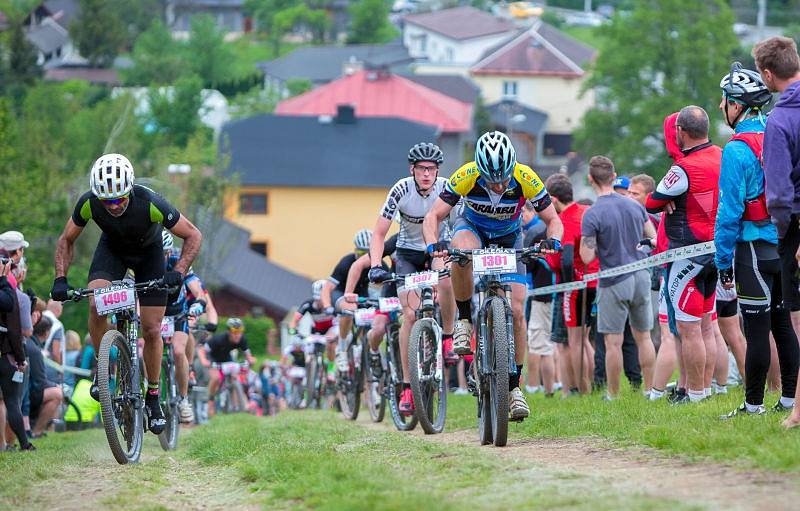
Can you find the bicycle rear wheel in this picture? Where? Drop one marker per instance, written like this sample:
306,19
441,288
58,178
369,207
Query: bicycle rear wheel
374,394
312,383
428,380
350,388
394,383
121,402
498,377
169,403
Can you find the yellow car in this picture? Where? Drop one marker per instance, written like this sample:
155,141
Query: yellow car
524,10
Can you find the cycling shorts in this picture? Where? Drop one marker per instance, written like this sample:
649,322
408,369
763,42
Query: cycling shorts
110,263
692,289
574,315
511,240
757,269
727,305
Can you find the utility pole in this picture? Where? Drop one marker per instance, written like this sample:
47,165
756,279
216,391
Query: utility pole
761,18
587,5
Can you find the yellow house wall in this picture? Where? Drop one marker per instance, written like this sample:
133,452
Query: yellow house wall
309,229
558,97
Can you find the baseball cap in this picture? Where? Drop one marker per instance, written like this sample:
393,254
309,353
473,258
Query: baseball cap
12,240
622,182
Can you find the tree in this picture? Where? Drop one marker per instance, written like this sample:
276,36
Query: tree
175,110
137,17
370,22
206,52
98,32
297,86
277,18
656,59
156,58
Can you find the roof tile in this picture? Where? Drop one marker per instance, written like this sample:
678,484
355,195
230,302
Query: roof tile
461,23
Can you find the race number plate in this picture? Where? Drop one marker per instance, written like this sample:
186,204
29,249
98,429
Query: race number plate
109,300
363,317
391,304
167,326
421,279
494,262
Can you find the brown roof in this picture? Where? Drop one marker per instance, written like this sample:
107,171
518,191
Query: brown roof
540,50
461,23
86,74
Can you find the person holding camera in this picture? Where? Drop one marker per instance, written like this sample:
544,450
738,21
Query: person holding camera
12,355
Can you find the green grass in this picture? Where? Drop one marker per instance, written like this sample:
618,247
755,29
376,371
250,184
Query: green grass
692,431
249,50
586,35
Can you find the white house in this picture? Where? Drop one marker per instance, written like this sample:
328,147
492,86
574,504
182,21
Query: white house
453,37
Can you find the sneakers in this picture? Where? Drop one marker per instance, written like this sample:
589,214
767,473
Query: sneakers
517,405
406,402
342,362
450,357
742,410
156,422
461,392
376,364
185,411
94,391
780,407
462,335
678,396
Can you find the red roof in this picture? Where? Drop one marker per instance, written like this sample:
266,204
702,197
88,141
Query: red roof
380,94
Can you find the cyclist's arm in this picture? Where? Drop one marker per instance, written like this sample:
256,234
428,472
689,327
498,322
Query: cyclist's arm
202,354
250,358
325,295
378,238
65,247
211,311
358,267
555,229
430,225
192,239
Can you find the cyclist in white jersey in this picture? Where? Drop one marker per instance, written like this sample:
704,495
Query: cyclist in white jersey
408,202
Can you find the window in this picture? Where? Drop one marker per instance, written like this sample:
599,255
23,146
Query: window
262,247
450,54
509,89
253,203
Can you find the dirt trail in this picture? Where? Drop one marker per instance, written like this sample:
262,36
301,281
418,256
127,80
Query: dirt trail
582,463
158,481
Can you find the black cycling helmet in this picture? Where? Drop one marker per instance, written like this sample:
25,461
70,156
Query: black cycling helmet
745,86
425,151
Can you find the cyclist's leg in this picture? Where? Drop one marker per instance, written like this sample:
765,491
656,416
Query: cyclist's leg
410,302
464,238
106,266
214,375
689,317
179,342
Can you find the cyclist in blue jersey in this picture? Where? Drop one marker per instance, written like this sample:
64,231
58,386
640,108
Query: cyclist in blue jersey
494,188
746,243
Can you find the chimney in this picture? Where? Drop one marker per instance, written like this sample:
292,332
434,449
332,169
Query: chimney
345,114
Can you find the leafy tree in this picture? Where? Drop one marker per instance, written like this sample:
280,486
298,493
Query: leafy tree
654,60
277,18
206,52
137,17
264,11
254,102
297,86
175,110
98,31
156,58
370,22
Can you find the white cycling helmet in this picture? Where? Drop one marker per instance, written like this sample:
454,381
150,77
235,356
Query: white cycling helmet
111,176
495,156
167,242
316,289
363,239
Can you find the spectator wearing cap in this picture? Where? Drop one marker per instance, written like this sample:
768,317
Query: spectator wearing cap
611,231
622,185
13,242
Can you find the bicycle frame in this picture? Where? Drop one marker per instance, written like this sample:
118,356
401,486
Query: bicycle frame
488,287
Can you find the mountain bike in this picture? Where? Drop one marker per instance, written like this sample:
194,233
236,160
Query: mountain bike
316,371
120,371
350,383
230,397
386,388
425,357
169,385
494,358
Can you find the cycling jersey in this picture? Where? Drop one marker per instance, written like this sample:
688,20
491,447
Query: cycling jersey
220,346
495,215
741,179
297,355
137,228
406,205
322,322
339,275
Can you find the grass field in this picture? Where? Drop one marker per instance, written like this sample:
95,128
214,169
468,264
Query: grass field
317,460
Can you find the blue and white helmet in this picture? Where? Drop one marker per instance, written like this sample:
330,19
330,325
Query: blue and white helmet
495,157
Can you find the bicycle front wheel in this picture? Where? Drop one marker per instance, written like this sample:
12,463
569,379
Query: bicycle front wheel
169,403
374,394
350,384
498,377
428,380
121,403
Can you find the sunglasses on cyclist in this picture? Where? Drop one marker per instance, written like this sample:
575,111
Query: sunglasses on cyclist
114,202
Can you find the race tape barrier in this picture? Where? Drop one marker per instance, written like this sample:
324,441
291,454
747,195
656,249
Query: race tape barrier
665,257
69,369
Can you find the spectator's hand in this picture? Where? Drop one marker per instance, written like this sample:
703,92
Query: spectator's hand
726,278
669,208
378,274
205,363
646,245
292,331
60,290
438,249
549,246
5,269
173,278
22,365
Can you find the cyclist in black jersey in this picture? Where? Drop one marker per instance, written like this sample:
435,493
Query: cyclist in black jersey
131,218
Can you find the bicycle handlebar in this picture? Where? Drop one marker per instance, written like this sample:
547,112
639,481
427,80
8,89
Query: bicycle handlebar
79,293
395,277
463,256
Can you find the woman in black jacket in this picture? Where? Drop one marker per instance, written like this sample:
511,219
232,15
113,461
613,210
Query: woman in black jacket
12,356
